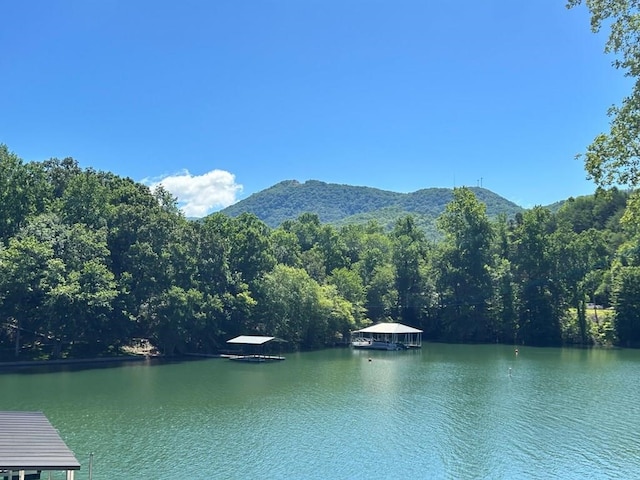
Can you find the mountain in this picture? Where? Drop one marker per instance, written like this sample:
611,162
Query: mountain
342,204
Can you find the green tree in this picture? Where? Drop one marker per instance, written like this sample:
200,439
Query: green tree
502,314
24,192
626,296
231,310
213,250
369,250
502,304
333,248
341,314
537,294
85,200
600,211
355,237
287,303
382,293
78,288
614,157
293,306
175,318
349,286
410,262
251,255
59,173
25,272
77,307
465,283
575,256
286,248
313,261
306,227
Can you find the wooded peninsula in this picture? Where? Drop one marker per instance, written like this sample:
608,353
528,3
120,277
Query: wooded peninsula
91,262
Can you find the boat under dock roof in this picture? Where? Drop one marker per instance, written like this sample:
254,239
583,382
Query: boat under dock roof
387,336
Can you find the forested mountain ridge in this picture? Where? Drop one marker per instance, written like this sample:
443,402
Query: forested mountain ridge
338,204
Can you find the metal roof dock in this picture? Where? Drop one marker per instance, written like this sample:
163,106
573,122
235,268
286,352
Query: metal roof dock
257,342
29,444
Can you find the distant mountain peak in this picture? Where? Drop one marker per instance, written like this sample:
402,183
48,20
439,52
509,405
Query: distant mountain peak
341,204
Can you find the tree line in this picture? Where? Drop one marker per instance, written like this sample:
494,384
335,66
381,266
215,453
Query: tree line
90,262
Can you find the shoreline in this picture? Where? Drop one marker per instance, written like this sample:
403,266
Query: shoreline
136,357
77,361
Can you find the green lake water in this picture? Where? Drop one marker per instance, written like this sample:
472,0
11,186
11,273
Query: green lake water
442,412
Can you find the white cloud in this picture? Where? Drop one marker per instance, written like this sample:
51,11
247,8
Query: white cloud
199,195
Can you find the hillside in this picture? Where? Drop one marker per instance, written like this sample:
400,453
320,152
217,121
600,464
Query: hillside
341,204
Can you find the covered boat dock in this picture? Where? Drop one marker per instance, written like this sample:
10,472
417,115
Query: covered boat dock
30,447
387,336
254,348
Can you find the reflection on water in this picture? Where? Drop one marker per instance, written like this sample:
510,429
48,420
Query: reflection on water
446,411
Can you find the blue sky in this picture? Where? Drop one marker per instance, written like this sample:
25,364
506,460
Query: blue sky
219,99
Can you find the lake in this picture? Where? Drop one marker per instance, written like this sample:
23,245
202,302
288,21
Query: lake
442,412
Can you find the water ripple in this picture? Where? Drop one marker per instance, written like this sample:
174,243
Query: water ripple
446,412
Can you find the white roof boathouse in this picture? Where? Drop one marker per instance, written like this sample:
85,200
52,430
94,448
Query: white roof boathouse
387,336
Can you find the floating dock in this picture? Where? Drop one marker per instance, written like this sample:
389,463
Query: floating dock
254,358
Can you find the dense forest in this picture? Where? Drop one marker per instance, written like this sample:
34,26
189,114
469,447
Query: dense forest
90,262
